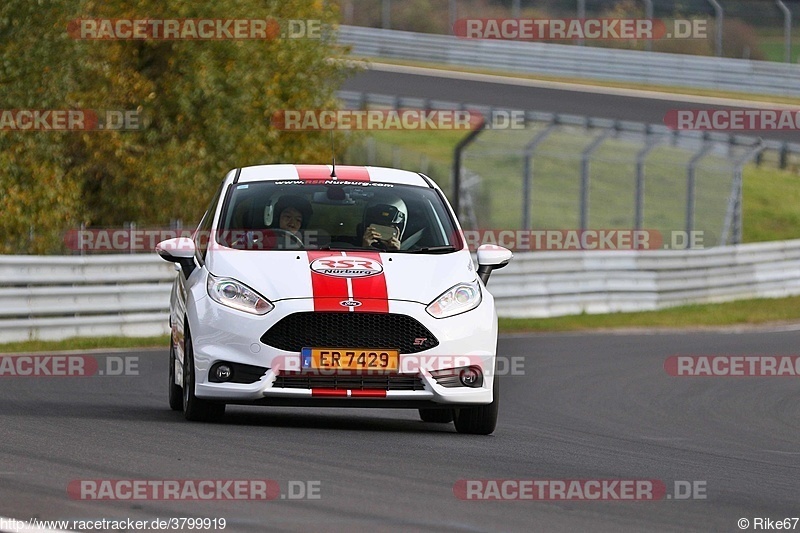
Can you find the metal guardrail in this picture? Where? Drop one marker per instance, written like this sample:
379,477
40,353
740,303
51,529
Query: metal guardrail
657,68
564,283
53,298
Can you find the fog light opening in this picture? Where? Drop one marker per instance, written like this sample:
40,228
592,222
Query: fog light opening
223,372
471,376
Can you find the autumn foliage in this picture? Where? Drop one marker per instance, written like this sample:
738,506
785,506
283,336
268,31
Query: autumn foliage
204,108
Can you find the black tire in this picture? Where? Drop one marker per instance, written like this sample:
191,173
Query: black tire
175,391
194,408
437,416
480,420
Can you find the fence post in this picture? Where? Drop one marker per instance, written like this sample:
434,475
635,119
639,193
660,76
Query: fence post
639,199
787,31
648,14
131,249
733,213
784,155
587,152
386,14
457,153
581,15
527,172
719,24
690,181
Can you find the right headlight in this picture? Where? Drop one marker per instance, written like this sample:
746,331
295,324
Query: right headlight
237,295
456,300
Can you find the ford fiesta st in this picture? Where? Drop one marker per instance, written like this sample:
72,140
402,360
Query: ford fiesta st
312,285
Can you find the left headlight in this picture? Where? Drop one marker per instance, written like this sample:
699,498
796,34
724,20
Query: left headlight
456,300
231,293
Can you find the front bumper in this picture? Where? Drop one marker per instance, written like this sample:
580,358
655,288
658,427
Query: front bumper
223,334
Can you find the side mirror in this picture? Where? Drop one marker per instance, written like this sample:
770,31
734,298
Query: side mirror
491,257
180,250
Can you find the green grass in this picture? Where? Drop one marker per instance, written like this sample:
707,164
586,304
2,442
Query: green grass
86,343
771,43
771,205
743,312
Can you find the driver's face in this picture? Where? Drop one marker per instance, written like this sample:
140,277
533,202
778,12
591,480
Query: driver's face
291,219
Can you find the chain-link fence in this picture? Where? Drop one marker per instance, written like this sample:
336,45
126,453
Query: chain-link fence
562,172
561,176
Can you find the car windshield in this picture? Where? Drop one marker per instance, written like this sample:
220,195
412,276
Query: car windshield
375,216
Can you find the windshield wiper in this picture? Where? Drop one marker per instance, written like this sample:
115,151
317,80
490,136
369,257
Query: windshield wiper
433,249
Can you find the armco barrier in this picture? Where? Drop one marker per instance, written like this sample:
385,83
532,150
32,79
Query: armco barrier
656,68
50,298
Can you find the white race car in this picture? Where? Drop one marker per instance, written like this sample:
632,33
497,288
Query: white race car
312,285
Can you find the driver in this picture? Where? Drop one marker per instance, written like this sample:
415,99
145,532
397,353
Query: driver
291,214
384,224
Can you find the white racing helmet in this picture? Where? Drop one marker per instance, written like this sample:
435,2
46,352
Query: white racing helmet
389,211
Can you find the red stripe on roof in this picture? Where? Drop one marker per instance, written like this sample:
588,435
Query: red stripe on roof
352,173
313,172
323,172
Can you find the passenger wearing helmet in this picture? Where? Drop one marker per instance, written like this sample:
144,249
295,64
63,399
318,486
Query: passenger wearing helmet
384,224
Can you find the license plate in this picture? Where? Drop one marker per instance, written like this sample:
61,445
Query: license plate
351,359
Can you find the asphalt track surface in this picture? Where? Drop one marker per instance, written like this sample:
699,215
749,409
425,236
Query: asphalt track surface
506,93
587,406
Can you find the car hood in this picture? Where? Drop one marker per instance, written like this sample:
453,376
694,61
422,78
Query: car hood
361,278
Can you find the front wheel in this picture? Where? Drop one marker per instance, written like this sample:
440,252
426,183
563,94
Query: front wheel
194,408
175,393
480,420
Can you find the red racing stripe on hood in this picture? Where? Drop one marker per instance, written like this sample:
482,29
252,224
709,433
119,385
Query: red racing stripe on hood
371,290
327,291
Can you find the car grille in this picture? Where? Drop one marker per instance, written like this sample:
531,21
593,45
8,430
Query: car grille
297,380
349,330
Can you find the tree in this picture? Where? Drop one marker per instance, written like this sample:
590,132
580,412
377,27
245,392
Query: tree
203,105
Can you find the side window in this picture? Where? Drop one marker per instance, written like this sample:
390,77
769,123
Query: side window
203,235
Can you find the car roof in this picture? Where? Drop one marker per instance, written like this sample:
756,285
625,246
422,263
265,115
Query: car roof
344,173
